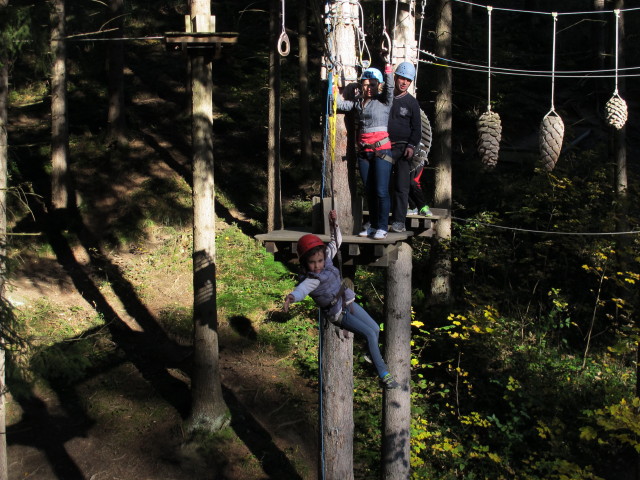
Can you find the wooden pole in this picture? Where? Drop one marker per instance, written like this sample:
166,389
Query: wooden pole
274,195
208,408
396,446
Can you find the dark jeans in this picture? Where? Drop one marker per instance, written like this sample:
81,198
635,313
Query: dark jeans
375,173
358,321
401,184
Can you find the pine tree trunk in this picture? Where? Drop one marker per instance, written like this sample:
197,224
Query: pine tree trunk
59,125
405,44
4,95
208,409
116,113
441,254
337,349
303,77
396,446
274,194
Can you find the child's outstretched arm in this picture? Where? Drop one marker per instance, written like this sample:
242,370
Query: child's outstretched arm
288,300
336,235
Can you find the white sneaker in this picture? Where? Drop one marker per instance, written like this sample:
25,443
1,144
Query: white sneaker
367,232
412,211
379,235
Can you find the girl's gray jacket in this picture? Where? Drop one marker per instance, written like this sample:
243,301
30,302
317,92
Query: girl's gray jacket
324,287
374,116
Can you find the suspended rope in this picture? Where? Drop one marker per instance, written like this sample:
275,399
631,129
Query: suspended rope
283,42
545,232
385,47
393,40
489,124
545,13
472,67
552,126
616,108
422,15
362,42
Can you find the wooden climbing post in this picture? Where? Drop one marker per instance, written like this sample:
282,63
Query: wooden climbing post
396,445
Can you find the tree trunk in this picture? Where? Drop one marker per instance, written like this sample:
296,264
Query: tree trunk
4,95
396,446
116,113
441,254
337,349
274,194
59,125
208,409
306,150
404,34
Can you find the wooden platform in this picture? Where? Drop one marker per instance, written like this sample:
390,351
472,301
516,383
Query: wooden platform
355,250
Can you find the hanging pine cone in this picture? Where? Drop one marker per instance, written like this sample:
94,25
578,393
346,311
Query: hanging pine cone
427,135
616,111
551,135
489,136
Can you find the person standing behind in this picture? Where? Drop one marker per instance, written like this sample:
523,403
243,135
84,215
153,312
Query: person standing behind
405,132
374,147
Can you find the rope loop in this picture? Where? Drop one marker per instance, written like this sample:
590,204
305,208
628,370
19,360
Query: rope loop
385,47
284,46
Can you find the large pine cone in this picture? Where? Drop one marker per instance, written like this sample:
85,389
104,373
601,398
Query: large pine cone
551,135
616,111
489,136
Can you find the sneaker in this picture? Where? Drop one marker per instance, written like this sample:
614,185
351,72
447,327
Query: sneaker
412,211
367,232
398,227
389,383
425,211
367,358
379,235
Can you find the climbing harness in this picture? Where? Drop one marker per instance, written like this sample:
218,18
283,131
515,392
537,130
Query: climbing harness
283,42
552,126
616,108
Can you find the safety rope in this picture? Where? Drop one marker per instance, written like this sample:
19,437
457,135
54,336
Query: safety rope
385,35
283,42
553,65
546,13
617,13
422,15
489,9
545,232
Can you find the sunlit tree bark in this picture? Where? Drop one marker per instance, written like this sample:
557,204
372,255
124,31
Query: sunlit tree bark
208,408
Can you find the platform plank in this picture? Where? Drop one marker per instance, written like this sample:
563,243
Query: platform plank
294,236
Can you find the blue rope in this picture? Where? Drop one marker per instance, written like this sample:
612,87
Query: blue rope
322,469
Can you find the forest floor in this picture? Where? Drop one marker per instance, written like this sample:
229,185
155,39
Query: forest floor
123,421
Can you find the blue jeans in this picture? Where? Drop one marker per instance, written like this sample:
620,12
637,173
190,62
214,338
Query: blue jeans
375,173
358,321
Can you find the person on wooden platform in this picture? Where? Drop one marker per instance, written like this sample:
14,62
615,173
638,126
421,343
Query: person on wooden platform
405,132
372,107
321,280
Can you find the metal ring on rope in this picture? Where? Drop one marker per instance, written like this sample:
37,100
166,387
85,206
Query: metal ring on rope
283,41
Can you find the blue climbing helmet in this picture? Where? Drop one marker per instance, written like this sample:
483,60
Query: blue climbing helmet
372,74
406,70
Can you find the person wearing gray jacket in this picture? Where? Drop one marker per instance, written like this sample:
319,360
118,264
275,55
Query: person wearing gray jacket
372,108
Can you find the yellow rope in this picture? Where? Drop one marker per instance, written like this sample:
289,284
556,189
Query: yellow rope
333,118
